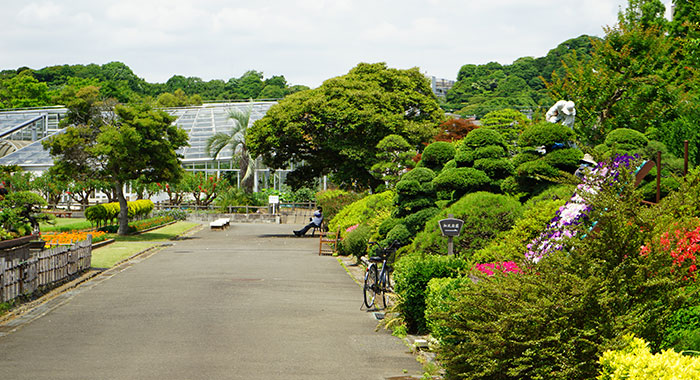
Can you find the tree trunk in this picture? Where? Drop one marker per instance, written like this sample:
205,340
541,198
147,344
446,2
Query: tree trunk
123,209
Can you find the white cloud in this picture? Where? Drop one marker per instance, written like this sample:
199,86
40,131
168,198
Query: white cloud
308,41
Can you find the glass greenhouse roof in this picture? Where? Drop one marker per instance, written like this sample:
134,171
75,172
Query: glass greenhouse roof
199,123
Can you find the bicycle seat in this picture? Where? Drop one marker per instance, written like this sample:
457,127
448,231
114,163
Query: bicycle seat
376,259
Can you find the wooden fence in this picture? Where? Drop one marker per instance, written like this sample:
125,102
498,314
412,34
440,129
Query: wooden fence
21,276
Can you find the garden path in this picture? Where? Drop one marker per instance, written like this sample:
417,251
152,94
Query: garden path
242,303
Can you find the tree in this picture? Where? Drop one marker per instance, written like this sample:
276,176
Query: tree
509,122
23,90
395,157
236,141
455,129
334,129
138,141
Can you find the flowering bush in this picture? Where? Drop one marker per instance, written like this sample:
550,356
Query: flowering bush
504,267
571,215
682,245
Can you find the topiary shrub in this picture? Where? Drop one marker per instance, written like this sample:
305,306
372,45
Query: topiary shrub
411,276
485,215
626,140
482,137
466,157
545,134
437,154
414,192
460,181
567,159
398,234
495,168
416,221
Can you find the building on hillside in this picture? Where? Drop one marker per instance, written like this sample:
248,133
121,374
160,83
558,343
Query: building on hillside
440,86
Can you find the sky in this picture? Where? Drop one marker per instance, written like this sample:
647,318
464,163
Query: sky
307,41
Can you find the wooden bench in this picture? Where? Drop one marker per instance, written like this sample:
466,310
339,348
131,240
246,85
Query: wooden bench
220,224
328,243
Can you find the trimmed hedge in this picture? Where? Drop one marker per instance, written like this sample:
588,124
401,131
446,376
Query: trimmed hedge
545,134
371,211
102,213
460,181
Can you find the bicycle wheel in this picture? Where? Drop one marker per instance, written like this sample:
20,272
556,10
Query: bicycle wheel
370,289
383,286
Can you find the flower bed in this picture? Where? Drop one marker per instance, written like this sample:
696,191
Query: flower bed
65,238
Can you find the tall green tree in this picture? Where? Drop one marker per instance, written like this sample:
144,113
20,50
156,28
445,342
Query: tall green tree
236,141
334,129
137,142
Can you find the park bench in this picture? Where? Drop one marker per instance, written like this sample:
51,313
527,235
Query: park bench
220,224
328,243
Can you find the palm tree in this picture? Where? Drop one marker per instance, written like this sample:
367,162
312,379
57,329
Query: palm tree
236,140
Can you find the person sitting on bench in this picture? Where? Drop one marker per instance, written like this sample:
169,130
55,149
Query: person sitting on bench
315,222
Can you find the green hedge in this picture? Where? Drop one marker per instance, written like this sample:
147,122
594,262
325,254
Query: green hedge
460,181
411,277
355,242
437,154
332,201
101,214
545,134
438,294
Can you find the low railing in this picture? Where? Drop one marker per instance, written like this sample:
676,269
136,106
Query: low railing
22,276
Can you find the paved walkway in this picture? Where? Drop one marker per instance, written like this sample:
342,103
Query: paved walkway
243,303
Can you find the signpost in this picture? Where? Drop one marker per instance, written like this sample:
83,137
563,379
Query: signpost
274,200
450,227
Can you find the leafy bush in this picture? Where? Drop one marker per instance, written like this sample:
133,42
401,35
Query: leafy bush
511,245
636,362
411,277
495,168
437,154
683,331
20,212
355,243
460,181
567,159
545,134
332,201
437,297
416,221
466,157
175,214
485,215
303,194
482,137
626,140
370,211
398,234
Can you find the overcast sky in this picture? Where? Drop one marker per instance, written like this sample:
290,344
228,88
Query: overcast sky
307,41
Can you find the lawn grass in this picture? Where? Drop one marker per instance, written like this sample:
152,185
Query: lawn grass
65,224
107,256
127,246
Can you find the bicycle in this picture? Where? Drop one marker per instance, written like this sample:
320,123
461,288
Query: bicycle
376,280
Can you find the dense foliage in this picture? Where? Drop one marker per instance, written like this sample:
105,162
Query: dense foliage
25,87
335,128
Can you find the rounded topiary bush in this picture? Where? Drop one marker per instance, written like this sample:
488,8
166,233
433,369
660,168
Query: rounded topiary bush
398,234
409,187
536,168
355,243
419,174
626,139
416,221
567,159
485,215
482,137
545,134
460,181
437,154
494,167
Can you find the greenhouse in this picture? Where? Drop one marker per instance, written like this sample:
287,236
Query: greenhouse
22,131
